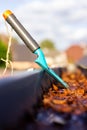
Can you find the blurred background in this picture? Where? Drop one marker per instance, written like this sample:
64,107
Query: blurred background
60,27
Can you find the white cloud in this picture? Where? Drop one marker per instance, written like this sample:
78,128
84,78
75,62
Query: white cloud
62,21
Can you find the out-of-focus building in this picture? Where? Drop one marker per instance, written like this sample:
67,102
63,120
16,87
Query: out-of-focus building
75,53
21,53
24,59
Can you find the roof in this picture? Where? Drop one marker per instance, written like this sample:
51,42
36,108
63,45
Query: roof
75,52
83,61
21,53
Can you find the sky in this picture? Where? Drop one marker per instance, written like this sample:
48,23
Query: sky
62,21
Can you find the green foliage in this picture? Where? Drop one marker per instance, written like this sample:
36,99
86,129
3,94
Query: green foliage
3,50
47,44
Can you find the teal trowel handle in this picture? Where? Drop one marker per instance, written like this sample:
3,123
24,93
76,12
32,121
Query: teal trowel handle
20,30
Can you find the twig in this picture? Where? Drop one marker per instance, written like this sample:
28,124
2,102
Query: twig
7,61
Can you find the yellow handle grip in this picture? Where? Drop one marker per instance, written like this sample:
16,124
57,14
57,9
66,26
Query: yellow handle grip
6,14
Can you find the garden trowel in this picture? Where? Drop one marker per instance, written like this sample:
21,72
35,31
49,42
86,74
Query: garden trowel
31,44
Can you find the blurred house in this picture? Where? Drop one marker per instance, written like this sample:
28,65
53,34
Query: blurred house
83,62
75,53
55,58
22,57
21,53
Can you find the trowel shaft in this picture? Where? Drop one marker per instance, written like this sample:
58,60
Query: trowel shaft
20,30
